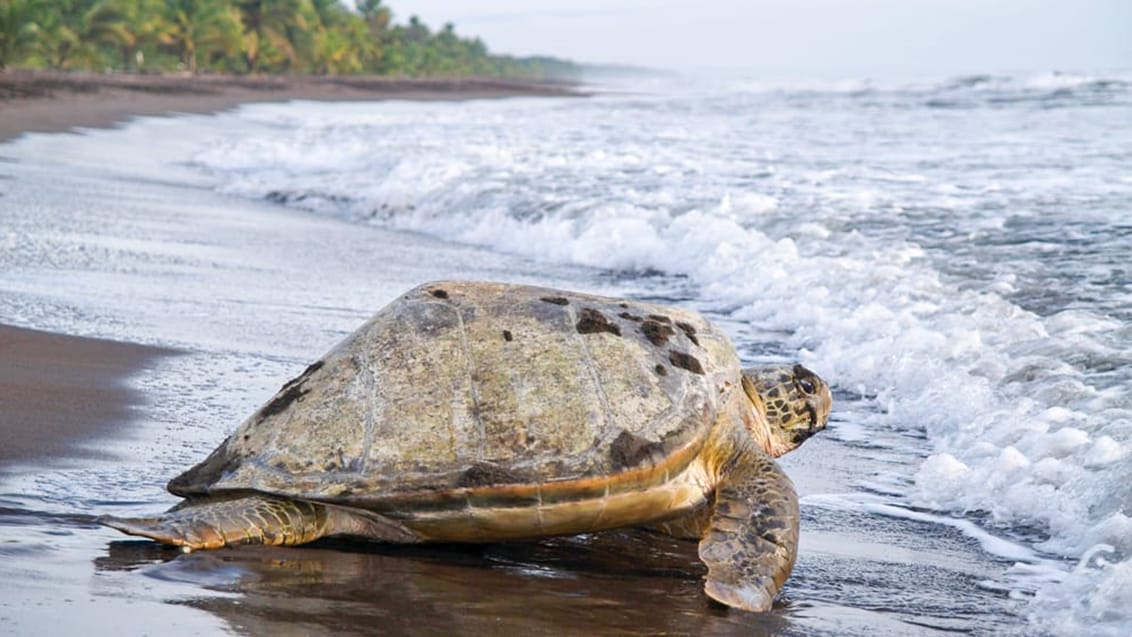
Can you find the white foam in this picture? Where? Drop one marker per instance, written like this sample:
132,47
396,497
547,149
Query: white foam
1060,80
989,542
1096,594
855,255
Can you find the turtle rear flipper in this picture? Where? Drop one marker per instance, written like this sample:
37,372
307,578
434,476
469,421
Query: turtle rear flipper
215,523
753,540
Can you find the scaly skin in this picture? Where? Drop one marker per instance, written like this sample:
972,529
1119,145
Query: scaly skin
215,524
752,540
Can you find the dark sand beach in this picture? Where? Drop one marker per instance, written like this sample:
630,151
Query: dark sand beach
246,295
69,404
45,101
57,391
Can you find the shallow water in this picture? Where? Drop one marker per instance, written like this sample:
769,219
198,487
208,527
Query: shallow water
951,255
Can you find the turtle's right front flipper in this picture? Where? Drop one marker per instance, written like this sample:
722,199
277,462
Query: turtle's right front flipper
753,540
216,523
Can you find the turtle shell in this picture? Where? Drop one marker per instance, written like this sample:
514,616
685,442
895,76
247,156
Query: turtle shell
463,385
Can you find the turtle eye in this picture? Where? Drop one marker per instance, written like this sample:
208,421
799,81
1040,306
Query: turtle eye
807,385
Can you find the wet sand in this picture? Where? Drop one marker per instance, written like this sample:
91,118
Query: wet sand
46,101
57,391
250,293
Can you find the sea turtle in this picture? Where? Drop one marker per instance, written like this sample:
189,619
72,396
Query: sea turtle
476,412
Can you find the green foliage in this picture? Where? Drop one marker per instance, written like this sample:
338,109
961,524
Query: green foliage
246,36
198,30
18,29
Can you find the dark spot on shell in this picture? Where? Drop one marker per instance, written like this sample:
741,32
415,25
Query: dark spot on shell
429,320
484,474
661,370
507,336
208,472
660,318
312,368
657,333
591,321
630,450
557,300
290,392
440,294
282,401
247,437
686,361
689,330
630,317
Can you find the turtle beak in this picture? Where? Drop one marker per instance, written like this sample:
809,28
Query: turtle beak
801,435
817,407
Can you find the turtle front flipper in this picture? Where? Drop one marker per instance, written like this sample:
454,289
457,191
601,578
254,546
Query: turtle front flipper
210,523
753,540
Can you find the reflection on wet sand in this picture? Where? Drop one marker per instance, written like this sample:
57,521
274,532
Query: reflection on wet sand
612,583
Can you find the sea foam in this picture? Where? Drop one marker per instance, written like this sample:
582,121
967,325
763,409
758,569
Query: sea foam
928,262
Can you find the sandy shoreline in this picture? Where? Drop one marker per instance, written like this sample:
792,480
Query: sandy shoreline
58,390
112,232
44,101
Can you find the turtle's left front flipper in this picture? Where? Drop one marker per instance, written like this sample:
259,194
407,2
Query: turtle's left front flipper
753,540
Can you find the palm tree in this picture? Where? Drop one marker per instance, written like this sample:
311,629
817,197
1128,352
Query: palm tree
70,33
377,20
417,30
276,32
377,17
122,24
58,31
18,28
334,48
253,35
108,23
193,27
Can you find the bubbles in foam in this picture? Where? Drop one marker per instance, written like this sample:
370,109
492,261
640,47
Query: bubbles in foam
946,267
1096,594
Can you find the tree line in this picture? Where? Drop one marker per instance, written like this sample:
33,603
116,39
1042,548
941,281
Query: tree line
321,37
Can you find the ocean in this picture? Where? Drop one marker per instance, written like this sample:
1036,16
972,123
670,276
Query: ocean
953,255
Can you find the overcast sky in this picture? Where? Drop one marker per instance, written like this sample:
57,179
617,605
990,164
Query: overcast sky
810,37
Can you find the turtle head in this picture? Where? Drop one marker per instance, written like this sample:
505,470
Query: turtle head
795,401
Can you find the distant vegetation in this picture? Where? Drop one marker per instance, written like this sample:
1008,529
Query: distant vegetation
321,37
